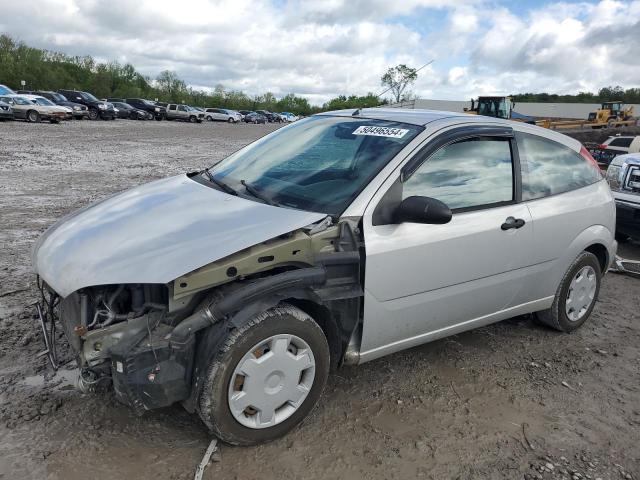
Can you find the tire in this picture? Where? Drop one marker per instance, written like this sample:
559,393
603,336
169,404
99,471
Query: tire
557,317
192,119
230,120
209,119
239,348
94,114
32,116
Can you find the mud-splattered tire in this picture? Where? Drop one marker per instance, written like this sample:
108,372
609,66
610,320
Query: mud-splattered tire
242,352
585,268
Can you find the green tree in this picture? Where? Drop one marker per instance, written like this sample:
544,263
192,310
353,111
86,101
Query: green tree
397,79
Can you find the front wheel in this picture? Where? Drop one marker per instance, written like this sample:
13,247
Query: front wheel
266,378
192,119
230,120
576,296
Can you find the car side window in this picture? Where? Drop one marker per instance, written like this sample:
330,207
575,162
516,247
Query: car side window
549,168
621,142
468,174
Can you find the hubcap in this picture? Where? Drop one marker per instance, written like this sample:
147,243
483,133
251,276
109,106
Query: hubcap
581,294
271,381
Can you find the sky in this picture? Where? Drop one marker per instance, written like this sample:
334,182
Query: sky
321,49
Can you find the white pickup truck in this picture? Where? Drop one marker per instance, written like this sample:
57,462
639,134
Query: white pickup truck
623,176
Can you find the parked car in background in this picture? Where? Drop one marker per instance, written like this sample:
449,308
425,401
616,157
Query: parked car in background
623,176
622,144
288,117
255,117
244,113
126,111
97,108
270,116
184,112
40,100
155,111
235,290
4,90
6,112
222,115
24,108
79,111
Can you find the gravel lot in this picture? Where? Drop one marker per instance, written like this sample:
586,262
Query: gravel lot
512,400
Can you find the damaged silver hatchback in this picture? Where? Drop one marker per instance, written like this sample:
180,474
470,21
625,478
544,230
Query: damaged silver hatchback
335,240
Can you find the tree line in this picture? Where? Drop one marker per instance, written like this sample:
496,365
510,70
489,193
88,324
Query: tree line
605,94
47,70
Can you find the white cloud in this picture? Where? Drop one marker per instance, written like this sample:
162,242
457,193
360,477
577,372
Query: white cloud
324,48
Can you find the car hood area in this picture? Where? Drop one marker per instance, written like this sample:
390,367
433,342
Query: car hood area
155,233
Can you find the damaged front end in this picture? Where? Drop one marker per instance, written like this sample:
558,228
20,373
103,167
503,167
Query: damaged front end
153,342
120,335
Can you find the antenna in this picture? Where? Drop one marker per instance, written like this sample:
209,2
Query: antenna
423,66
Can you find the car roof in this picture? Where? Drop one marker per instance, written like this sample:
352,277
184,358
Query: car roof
413,116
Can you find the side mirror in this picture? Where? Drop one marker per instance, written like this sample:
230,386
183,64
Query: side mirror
422,210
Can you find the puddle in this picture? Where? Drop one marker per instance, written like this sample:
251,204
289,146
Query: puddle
61,380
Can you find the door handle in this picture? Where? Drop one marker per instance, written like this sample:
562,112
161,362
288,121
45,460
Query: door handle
512,222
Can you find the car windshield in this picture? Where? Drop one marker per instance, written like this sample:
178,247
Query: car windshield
43,101
318,164
58,97
88,96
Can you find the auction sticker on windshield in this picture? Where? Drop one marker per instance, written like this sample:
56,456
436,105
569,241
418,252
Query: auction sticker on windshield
380,131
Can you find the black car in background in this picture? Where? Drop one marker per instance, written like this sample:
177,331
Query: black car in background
97,108
271,117
79,111
254,117
127,111
158,112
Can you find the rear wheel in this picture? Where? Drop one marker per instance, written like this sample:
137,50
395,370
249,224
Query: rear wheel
33,116
266,378
576,296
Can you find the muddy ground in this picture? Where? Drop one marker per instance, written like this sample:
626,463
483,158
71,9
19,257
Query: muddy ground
512,400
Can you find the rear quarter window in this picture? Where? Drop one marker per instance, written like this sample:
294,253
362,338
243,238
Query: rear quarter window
549,168
621,142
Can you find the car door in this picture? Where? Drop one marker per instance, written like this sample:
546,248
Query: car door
183,113
424,282
562,189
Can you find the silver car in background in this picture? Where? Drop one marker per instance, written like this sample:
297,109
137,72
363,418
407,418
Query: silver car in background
337,239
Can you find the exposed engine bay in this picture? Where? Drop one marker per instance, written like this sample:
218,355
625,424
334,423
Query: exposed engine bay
152,342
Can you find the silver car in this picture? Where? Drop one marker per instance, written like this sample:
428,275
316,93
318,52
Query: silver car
335,240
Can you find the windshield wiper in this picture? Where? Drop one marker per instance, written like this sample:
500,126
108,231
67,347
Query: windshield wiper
219,183
256,193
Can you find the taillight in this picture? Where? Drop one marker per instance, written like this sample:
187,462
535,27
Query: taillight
587,156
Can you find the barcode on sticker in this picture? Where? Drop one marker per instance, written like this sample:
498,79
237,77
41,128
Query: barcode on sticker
381,131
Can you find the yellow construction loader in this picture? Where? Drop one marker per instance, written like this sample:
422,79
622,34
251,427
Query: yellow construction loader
611,113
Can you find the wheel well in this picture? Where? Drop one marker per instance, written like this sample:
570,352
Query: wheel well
600,251
324,318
